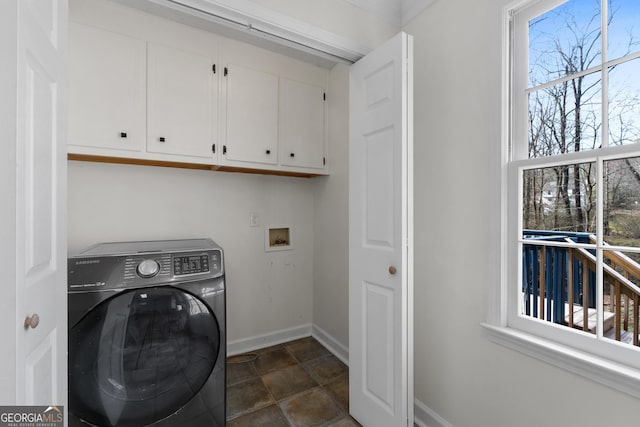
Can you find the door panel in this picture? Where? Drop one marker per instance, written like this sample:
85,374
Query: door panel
251,115
182,118
40,245
380,251
107,100
41,368
378,310
39,141
380,190
301,124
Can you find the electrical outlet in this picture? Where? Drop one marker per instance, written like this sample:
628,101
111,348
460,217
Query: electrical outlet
254,219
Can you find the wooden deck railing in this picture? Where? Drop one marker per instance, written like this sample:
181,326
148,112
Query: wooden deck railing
559,285
623,292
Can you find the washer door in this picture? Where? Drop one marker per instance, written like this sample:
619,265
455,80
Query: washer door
140,356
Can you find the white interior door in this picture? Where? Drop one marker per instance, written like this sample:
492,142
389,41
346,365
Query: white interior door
380,237
36,204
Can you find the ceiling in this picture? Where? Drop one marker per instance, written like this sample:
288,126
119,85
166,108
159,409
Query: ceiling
247,21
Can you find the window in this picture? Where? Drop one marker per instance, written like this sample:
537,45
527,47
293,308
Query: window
572,181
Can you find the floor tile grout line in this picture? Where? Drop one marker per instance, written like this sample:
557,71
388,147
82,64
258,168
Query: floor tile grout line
323,387
275,402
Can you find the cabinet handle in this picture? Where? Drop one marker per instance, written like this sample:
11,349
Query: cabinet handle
123,134
161,139
293,154
268,151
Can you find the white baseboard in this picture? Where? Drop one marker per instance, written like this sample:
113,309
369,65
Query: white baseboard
427,417
333,345
266,340
284,335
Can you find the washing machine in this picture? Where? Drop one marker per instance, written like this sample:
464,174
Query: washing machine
147,337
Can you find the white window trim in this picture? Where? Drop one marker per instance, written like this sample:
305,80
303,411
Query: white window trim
499,328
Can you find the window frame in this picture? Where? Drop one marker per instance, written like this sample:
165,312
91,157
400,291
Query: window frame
606,361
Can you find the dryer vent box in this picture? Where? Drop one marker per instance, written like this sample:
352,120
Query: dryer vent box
278,238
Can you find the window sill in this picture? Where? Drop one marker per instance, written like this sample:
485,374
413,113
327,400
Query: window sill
617,376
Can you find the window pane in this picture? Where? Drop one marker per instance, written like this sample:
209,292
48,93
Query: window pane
624,103
621,296
564,41
623,28
566,117
622,203
560,199
576,102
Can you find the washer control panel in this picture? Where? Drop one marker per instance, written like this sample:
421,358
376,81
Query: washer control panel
144,269
190,264
149,267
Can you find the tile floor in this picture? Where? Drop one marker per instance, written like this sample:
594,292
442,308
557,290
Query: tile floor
299,383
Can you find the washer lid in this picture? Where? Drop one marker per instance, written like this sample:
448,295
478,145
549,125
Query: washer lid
150,246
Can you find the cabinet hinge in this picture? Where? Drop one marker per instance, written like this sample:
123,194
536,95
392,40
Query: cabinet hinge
324,96
213,148
324,161
224,149
226,71
213,68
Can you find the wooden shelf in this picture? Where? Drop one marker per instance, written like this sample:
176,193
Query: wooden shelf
181,165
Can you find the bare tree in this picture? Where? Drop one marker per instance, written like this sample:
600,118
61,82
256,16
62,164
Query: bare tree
564,117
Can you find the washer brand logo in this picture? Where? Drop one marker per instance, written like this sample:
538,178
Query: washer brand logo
87,261
31,416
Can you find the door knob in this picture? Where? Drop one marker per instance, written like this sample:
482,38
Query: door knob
32,321
392,270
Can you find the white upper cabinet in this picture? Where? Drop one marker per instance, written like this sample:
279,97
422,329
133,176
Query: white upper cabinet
301,124
181,108
107,75
148,90
273,112
250,116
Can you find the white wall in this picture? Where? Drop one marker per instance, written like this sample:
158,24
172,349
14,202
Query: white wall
266,291
338,17
331,237
459,373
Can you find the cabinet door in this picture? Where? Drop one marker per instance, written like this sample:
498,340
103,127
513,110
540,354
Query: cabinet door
251,116
301,125
107,89
181,116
